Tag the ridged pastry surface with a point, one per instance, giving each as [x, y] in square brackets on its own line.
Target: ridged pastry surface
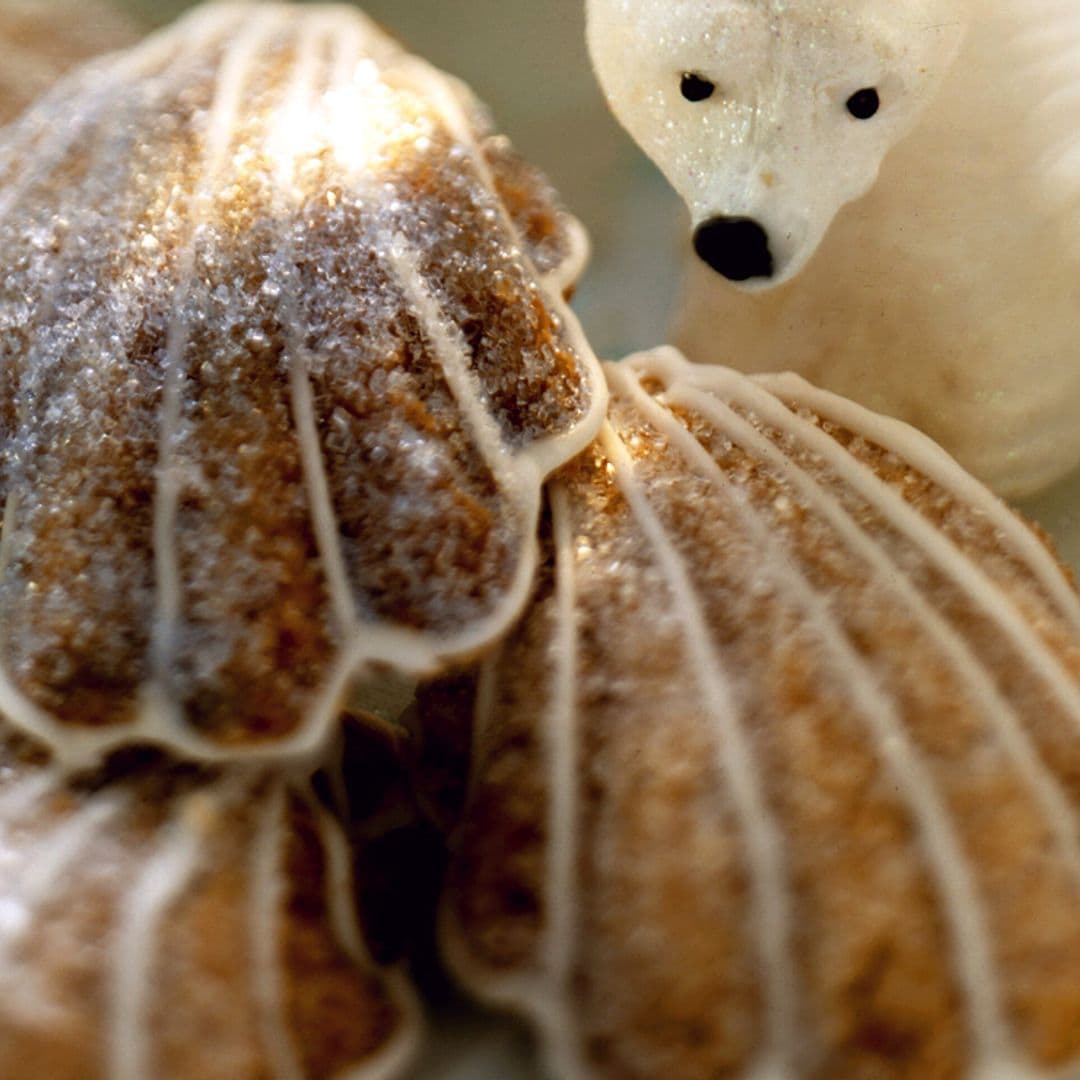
[159, 922]
[780, 776]
[285, 361]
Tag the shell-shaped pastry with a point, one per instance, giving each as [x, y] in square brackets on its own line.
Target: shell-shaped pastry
[285, 362]
[41, 39]
[780, 777]
[161, 922]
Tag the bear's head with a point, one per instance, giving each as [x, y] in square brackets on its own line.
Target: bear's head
[767, 116]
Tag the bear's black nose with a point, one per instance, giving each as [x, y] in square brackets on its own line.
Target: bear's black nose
[736, 247]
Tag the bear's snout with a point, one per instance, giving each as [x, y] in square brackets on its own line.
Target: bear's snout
[736, 247]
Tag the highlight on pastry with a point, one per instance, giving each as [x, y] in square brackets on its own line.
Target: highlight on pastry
[779, 777]
[754, 719]
[285, 363]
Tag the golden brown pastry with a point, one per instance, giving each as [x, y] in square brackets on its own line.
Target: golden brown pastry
[780, 776]
[41, 39]
[283, 364]
[164, 921]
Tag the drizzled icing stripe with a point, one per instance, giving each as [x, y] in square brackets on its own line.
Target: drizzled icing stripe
[101, 80]
[392, 1060]
[76, 748]
[162, 53]
[23, 794]
[347, 49]
[269, 893]
[925, 456]
[161, 883]
[560, 736]
[942, 847]
[936, 546]
[53, 855]
[240, 30]
[541, 991]
[298, 103]
[764, 844]
[235, 70]
[1041, 781]
[11, 509]
[453, 115]
[454, 358]
[548, 453]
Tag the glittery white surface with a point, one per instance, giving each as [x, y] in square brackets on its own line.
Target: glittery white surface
[527, 59]
[774, 141]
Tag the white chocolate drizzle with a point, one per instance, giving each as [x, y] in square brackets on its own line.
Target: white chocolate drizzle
[914, 780]
[925, 455]
[938, 547]
[268, 892]
[822, 545]
[1060, 816]
[160, 884]
[147, 877]
[764, 845]
[321, 88]
[228, 97]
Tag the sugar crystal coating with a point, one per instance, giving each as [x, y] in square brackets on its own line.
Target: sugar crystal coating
[780, 774]
[169, 921]
[281, 381]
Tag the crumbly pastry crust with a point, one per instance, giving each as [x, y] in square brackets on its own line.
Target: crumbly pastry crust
[780, 775]
[285, 362]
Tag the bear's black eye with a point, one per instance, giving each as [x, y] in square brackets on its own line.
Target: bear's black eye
[695, 88]
[864, 103]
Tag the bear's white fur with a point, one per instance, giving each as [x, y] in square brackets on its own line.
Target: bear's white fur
[928, 258]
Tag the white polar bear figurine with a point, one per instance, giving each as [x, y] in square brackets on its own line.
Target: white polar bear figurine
[885, 197]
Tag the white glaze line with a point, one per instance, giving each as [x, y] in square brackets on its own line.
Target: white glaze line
[23, 794]
[29, 718]
[553, 451]
[294, 112]
[924, 455]
[269, 897]
[348, 47]
[1061, 818]
[770, 895]
[938, 548]
[37, 360]
[299, 103]
[340, 901]
[51, 857]
[171, 47]
[391, 1060]
[236, 66]
[483, 710]
[139, 922]
[559, 735]
[950, 867]
[454, 358]
[102, 80]
[451, 111]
